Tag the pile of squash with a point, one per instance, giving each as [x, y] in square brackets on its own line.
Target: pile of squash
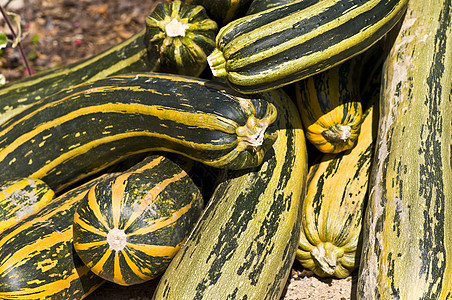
[228, 139]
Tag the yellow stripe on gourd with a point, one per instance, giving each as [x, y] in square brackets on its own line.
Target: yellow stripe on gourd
[88, 146]
[96, 268]
[154, 251]
[151, 196]
[120, 65]
[117, 274]
[88, 227]
[94, 206]
[162, 222]
[88, 246]
[117, 198]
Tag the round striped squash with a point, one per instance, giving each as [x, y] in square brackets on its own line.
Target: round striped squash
[181, 36]
[127, 229]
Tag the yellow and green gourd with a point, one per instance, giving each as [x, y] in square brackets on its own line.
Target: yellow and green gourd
[127, 229]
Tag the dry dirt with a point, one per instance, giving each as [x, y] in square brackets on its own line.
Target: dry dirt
[62, 32]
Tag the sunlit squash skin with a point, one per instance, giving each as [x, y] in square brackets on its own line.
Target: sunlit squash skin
[407, 231]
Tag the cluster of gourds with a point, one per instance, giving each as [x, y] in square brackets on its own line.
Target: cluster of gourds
[137, 163]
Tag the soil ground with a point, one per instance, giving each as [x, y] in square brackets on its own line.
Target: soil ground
[64, 31]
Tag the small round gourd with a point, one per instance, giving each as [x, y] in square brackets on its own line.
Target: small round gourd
[128, 229]
[181, 35]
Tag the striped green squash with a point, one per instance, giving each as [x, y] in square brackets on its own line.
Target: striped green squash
[20, 198]
[333, 208]
[37, 260]
[330, 106]
[127, 229]
[257, 6]
[129, 56]
[407, 238]
[244, 244]
[80, 131]
[181, 36]
[223, 11]
[290, 42]
[152, 49]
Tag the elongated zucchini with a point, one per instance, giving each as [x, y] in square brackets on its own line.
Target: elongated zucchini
[80, 131]
[181, 36]
[407, 238]
[20, 198]
[127, 229]
[330, 106]
[334, 205]
[37, 260]
[290, 42]
[223, 11]
[244, 245]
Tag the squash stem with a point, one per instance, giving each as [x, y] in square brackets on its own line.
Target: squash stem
[337, 134]
[326, 256]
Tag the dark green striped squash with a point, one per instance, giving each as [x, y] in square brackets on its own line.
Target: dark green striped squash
[128, 56]
[127, 229]
[257, 6]
[20, 198]
[82, 130]
[244, 245]
[151, 49]
[334, 205]
[407, 231]
[290, 42]
[37, 260]
[330, 106]
[223, 11]
[181, 36]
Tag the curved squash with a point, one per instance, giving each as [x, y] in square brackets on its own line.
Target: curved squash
[127, 229]
[149, 50]
[181, 36]
[80, 131]
[21, 198]
[287, 43]
[330, 107]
